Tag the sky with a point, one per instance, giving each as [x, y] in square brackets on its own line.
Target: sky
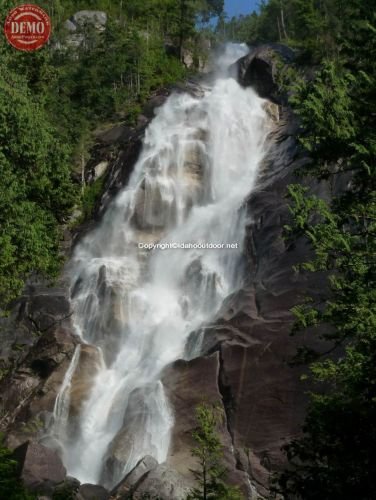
[236, 7]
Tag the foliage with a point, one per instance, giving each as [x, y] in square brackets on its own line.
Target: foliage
[90, 197]
[11, 487]
[209, 452]
[34, 195]
[335, 457]
[312, 26]
[65, 491]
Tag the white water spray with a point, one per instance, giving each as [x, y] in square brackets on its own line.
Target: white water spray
[138, 307]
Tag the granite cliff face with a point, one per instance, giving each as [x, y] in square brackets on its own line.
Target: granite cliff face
[245, 353]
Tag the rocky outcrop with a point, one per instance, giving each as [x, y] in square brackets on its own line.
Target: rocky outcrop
[96, 18]
[128, 486]
[89, 363]
[260, 68]
[40, 309]
[188, 384]
[163, 483]
[92, 492]
[28, 392]
[77, 26]
[41, 469]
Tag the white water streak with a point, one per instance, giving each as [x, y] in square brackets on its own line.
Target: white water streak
[62, 402]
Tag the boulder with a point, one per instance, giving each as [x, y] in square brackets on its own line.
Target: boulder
[128, 484]
[126, 446]
[41, 469]
[117, 456]
[96, 18]
[163, 483]
[92, 492]
[67, 489]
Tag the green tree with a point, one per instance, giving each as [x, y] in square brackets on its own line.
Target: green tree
[335, 457]
[11, 487]
[36, 191]
[209, 451]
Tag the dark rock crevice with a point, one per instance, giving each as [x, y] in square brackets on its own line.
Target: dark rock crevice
[229, 407]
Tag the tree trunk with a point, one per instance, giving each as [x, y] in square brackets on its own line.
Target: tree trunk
[82, 172]
[183, 10]
[279, 29]
[283, 22]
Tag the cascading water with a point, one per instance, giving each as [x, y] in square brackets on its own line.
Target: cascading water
[138, 305]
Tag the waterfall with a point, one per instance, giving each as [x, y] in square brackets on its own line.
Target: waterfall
[167, 253]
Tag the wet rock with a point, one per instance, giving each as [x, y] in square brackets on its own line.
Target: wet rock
[123, 450]
[28, 393]
[272, 111]
[155, 206]
[41, 469]
[151, 107]
[89, 364]
[42, 308]
[113, 135]
[92, 492]
[67, 489]
[118, 454]
[145, 465]
[128, 484]
[163, 483]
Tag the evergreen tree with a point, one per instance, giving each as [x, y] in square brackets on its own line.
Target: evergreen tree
[335, 458]
[209, 451]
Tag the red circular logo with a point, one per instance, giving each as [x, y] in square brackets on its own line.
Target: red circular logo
[27, 27]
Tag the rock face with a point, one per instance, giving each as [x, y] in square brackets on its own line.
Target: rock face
[96, 18]
[163, 483]
[28, 393]
[188, 384]
[259, 69]
[41, 469]
[89, 363]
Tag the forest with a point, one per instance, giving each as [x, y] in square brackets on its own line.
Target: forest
[51, 100]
